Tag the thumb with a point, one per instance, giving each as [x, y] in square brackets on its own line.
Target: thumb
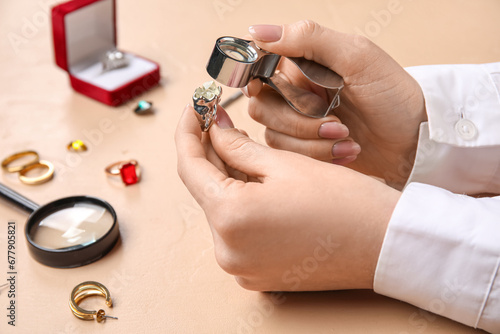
[240, 152]
[312, 41]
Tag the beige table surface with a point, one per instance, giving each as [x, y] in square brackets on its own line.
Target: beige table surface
[163, 276]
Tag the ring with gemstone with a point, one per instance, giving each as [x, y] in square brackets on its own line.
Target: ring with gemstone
[77, 146]
[205, 101]
[114, 59]
[37, 179]
[144, 107]
[129, 171]
[17, 168]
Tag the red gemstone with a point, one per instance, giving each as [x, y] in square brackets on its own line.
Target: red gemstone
[129, 174]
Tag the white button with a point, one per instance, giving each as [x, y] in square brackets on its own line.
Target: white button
[466, 129]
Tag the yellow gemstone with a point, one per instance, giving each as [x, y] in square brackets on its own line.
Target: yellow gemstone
[79, 145]
[209, 90]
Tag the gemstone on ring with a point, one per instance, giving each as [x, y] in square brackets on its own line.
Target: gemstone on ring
[143, 107]
[129, 171]
[77, 145]
[129, 174]
[114, 59]
[205, 101]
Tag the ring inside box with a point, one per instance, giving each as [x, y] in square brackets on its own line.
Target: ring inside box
[89, 33]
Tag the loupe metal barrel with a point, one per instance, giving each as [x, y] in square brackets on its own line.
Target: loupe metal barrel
[72, 231]
[235, 62]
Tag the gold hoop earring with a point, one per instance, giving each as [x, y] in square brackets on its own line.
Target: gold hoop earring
[84, 290]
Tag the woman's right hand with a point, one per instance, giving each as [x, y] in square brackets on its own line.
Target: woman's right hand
[381, 104]
[282, 221]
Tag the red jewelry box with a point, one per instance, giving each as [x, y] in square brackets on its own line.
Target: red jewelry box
[83, 31]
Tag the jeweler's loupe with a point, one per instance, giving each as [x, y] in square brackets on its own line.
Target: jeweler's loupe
[235, 62]
[69, 232]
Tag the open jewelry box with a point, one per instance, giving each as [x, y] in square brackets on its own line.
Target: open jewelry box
[84, 31]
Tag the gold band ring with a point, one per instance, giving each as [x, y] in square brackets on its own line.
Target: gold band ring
[14, 169]
[84, 290]
[38, 179]
[129, 171]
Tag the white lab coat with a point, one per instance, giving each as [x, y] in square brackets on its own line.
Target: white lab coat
[441, 251]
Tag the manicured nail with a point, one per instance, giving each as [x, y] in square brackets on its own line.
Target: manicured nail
[244, 90]
[223, 120]
[333, 130]
[344, 161]
[266, 32]
[345, 148]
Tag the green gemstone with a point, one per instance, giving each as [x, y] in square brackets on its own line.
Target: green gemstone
[143, 107]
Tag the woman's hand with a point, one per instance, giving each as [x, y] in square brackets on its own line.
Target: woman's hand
[280, 220]
[381, 104]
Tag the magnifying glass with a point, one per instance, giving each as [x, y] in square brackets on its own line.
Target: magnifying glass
[68, 232]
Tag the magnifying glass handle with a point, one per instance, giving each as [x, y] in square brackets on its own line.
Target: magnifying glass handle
[18, 199]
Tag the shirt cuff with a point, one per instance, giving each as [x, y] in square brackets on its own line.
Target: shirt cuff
[462, 102]
[458, 146]
[442, 253]
[462, 170]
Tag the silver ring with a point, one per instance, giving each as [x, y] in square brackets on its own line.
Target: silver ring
[205, 101]
[114, 59]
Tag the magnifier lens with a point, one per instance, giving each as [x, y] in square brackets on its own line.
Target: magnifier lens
[79, 225]
[238, 50]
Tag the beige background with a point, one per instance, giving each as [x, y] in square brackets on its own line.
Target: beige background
[163, 276]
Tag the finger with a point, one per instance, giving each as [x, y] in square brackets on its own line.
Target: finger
[236, 174]
[344, 161]
[225, 121]
[253, 88]
[241, 153]
[320, 149]
[270, 109]
[243, 132]
[197, 173]
[312, 41]
[212, 157]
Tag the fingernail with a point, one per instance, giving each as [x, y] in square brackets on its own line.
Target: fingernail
[344, 161]
[266, 32]
[345, 148]
[333, 130]
[223, 121]
[245, 91]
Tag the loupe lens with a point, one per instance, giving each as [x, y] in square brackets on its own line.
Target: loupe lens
[238, 50]
[79, 225]
[72, 231]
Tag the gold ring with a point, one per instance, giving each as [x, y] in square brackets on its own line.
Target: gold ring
[15, 156]
[84, 290]
[77, 146]
[38, 179]
[129, 171]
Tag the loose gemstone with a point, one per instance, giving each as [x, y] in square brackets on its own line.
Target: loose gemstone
[129, 174]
